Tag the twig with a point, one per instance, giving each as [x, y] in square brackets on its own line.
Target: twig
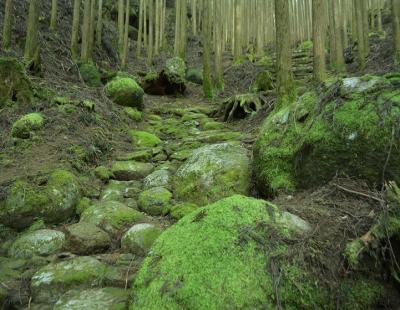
[358, 193]
[127, 273]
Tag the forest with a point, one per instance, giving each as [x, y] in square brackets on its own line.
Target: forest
[199, 154]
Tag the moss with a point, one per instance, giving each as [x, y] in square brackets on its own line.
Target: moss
[90, 74]
[140, 238]
[23, 127]
[218, 258]
[15, 85]
[306, 45]
[151, 76]
[195, 76]
[360, 294]
[134, 114]
[155, 201]
[143, 138]
[125, 91]
[59, 100]
[103, 173]
[263, 82]
[180, 210]
[175, 69]
[353, 252]
[82, 205]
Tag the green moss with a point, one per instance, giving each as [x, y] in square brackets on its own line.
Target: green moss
[183, 209]
[103, 173]
[195, 76]
[353, 252]
[263, 82]
[140, 238]
[143, 138]
[134, 114]
[306, 45]
[82, 205]
[175, 69]
[155, 201]
[151, 76]
[90, 74]
[362, 294]
[218, 258]
[23, 127]
[125, 91]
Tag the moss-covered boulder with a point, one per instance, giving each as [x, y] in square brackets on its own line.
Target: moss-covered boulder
[90, 74]
[125, 91]
[180, 210]
[111, 216]
[139, 238]
[159, 178]
[41, 242]
[103, 173]
[51, 281]
[134, 114]
[131, 170]
[143, 138]
[170, 81]
[53, 202]
[28, 123]
[220, 258]
[86, 238]
[107, 298]
[119, 190]
[309, 142]
[15, 85]
[213, 172]
[195, 75]
[155, 201]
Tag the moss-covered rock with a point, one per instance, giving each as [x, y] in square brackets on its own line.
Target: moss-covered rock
[126, 92]
[180, 210]
[53, 202]
[220, 258]
[15, 85]
[41, 242]
[107, 298]
[195, 76]
[307, 143]
[131, 170]
[103, 173]
[175, 69]
[141, 155]
[144, 138]
[51, 281]
[139, 238]
[155, 201]
[159, 178]
[213, 172]
[86, 238]
[111, 216]
[28, 123]
[119, 190]
[134, 114]
[90, 75]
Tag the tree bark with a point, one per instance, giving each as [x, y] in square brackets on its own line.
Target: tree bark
[31, 44]
[120, 27]
[126, 35]
[207, 86]
[360, 34]
[319, 32]
[75, 29]
[86, 31]
[53, 19]
[99, 27]
[7, 27]
[396, 29]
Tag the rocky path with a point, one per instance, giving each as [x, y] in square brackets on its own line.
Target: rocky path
[181, 159]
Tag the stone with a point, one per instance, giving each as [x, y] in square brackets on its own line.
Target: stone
[125, 91]
[131, 170]
[86, 238]
[155, 201]
[144, 139]
[107, 298]
[51, 281]
[41, 242]
[213, 172]
[119, 190]
[28, 123]
[141, 155]
[111, 216]
[180, 210]
[53, 202]
[159, 178]
[139, 238]
[103, 173]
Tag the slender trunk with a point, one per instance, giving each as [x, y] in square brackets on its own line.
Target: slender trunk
[207, 86]
[219, 74]
[7, 27]
[194, 18]
[364, 12]
[99, 27]
[92, 27]
[86, 31]
[177, 27]
[53, 19]
[31, 44]
[285, 87]
[150, 45]
[339, 57]
[75, 30]
[140, 32]
[126, 35]
[120, 26]
[360, 34]
[396, 29]
[319, 29]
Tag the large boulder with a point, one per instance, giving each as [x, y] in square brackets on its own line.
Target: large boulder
[218, 258]
[170, 81]
[139, 238]
[131, 170]
[107, 298]
[53, 202]
[41, 242]
[111, 216]
[213, 172]
[125, 91]
[155, 201]
[25, 125]
[159, 178]
[354, 132]
[51, 281]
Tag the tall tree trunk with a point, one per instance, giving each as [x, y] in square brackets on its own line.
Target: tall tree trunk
[319, 32]
[53, 19]
[206, 28]
[7, 27]
[360, 34]
[178, 25]
[219, 74]
[99, 27]
[338, 58]
[364, 12]
[92, 27]
[31, 44]
[86, 32]
[396, 29]
[150, 46]
[140, 31]
[75, 30]
[285, 87]
[126, 35]
[120, 27]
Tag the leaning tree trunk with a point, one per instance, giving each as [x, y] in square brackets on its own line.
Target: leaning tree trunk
[7, 27]
[75, 30]
[31, 44]
[285, 87]
[319, 32]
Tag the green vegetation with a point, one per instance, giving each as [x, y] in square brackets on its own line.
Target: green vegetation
[23, 127]
[125, 91]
